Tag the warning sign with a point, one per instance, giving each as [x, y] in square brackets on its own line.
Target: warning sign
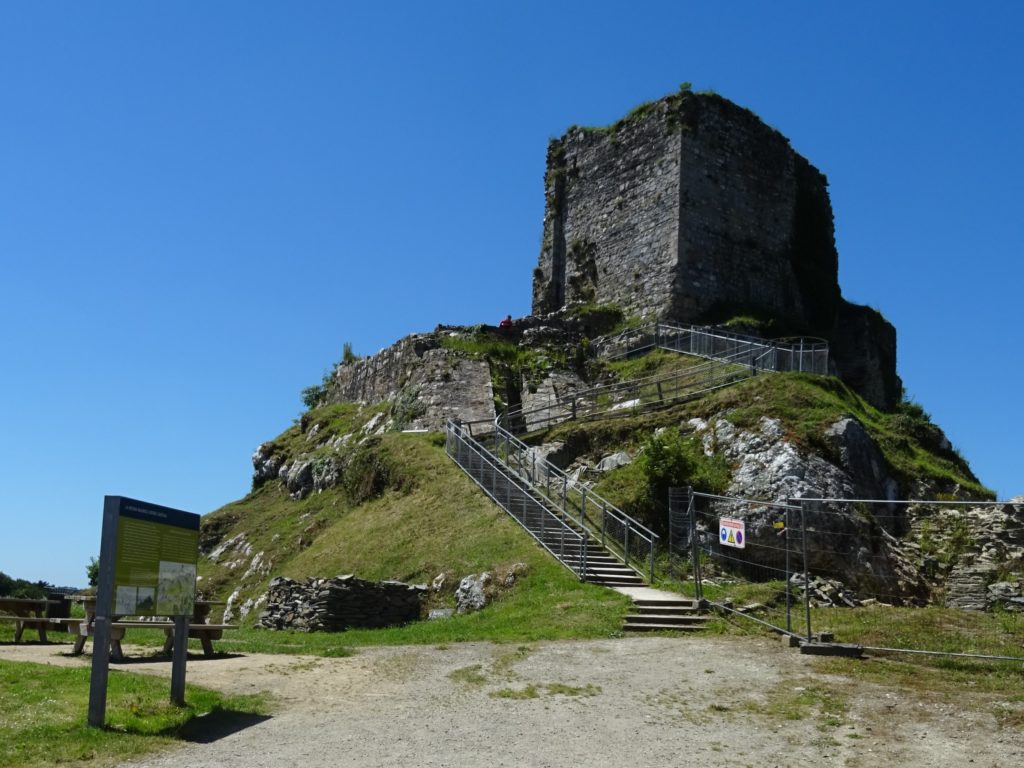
[731, 533]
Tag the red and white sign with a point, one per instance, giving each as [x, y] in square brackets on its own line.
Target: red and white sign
[731, 533]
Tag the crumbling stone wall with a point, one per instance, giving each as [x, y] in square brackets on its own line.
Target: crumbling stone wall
[332, 605]
[690, 205]
[427, 383]
[692, 209]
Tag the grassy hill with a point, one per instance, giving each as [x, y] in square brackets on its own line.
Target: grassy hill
[406, 512]
[398, 508]
[917, 453]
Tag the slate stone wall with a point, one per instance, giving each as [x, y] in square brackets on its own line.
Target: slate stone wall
[427, 383]
[692, 209]
[331, 605]
[691, 206]
[610, 230]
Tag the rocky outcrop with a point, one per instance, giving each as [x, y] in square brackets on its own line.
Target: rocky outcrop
[475, 591]
[862, 461]
[848, 542]
[332, 605]
[471, 595]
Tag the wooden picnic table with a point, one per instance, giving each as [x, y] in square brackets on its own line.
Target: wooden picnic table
[198, 627]
[26, 612]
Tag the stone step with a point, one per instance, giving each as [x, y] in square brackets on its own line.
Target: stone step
[682, 602]
[616, 582]
[668, 610]
[658, 627]
[646, 618]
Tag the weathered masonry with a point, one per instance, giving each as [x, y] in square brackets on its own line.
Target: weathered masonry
[692, 209]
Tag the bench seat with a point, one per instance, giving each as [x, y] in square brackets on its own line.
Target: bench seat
[205, 633]
[21, 623]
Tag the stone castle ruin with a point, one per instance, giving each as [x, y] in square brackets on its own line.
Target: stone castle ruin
[690, 210]
[693, 210]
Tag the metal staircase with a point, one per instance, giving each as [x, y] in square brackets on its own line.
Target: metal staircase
[568, 538]
[583, 531]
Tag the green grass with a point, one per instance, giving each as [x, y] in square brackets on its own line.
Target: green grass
[548, 604]
[806, 405]
[329, 421]
[43, 715]
[805, 699]
[432, 520]
[657, 362]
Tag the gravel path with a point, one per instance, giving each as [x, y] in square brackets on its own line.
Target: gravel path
[643, 701]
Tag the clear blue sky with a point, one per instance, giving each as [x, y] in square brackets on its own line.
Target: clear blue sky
[201, 202]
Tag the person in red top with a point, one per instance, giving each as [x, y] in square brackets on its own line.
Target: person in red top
[506, 323]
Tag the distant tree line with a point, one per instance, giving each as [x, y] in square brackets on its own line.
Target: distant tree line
[11, 587]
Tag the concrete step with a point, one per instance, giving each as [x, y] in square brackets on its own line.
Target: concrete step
[615, 582]
[646, 618]
[685, 603]
[675, 610]
[659, 627]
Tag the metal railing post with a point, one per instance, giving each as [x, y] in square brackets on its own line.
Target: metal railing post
[625, 544]
[789, 576]
[698, 587]
[583, 556]
[807, 576]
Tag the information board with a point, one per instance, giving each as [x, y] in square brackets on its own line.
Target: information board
[148, 557]
[155, 560]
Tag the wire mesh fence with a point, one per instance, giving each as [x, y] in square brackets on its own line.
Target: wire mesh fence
[860, 571]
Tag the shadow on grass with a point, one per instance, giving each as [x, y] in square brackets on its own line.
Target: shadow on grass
[217, 724]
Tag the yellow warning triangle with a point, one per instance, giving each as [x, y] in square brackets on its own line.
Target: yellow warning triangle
[732, 539]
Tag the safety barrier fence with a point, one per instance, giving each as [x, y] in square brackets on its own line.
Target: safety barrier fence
[806, 354]
[820, 568]
[516, 497]
[624, 397]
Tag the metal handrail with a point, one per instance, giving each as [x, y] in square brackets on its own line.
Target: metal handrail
[702, 337]
[549, 524]
[666, 388]
[571, 498]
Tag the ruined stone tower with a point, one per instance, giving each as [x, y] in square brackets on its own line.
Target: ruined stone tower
[692, 209]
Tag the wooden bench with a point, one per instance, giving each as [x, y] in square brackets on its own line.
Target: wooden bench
[26, 613]
[21, 623]
[205, 633]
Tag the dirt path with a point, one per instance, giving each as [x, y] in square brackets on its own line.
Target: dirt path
[643, 701]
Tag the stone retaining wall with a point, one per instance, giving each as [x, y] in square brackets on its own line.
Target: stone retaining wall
[332, 605]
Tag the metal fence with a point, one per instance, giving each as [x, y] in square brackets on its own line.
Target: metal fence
[806, 354]
[624, 397]
[515, 496]
[845, 569]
